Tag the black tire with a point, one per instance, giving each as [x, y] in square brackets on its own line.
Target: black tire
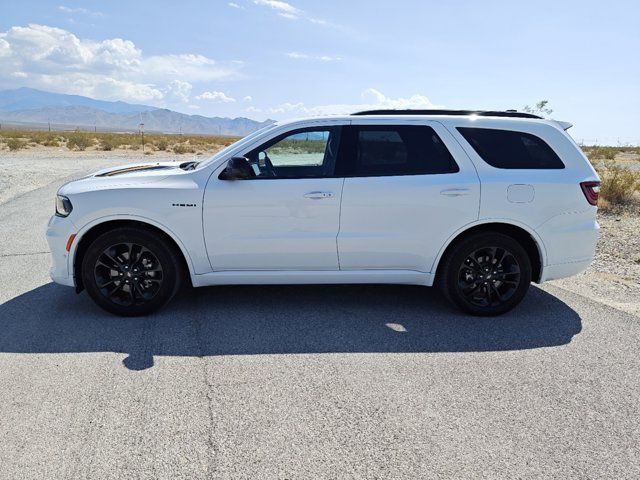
[476, 283]
[131, 272]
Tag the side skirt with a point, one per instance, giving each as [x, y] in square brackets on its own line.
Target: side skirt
[280, 277]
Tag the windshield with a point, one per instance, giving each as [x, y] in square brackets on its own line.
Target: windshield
[248, 139]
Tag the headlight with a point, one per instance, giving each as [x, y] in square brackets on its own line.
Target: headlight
[63, 206]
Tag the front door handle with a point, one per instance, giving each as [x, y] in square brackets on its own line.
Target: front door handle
[318, 195]
[455, 192]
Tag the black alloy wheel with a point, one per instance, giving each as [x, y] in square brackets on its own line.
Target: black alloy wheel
[485, 274]
[489, 276]
[128, 274]
[132, 271]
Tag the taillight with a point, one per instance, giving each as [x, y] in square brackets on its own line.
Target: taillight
[591, 191]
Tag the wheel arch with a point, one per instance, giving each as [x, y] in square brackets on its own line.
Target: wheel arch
[93, 230]
[531, 242]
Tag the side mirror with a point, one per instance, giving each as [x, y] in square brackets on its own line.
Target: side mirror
[238, 168]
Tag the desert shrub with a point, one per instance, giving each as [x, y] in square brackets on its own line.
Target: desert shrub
[619, 184]
[607, 153]
[181, 148]
[43, 138]
[108, 142]
[79, 141]
[16, 144]
[51, 141]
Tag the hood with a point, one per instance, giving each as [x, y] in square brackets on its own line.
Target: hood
[124, 176]
[138, 169]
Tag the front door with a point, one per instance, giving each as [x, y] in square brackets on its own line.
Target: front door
[284, 218]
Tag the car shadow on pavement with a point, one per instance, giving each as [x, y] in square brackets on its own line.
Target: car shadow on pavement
[249, 320]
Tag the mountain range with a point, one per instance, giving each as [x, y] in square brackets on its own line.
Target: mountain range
[30, 107]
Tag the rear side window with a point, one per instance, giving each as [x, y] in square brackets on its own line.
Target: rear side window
[386, 150]
[510, 149]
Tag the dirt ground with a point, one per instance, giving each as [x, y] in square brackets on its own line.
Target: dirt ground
[613, 278]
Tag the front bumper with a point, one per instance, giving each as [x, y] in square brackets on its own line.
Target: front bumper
[58, 232]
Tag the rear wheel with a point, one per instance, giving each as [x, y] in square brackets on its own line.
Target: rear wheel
[131, 272]
[486, 274]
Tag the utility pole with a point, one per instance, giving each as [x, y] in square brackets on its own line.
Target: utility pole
[141, 127]
[49, 123]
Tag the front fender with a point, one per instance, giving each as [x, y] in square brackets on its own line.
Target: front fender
[81, 232]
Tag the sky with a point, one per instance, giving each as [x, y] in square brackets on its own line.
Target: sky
[275, 59]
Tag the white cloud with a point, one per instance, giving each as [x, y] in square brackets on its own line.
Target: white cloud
[248, 98]
[178, 90]
[216, 97]
[5, 48]
[235, 5]
[114, 69]
[253, 110]
[283, 8]
[288, 11]
[322, 58]
[371, 99]
[80, 10]
[289, 107]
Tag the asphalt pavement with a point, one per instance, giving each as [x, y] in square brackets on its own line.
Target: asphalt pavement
[306, 381]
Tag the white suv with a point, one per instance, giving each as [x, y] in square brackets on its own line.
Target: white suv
[480, 203]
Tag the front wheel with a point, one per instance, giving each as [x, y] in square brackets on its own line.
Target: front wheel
[131, 272]
[486, 274]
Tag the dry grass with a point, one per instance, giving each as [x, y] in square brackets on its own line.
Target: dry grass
[80, 141]
[596, 153]
[16, 144]
[619, 187]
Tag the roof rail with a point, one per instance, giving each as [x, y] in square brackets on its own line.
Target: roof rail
[480, 113]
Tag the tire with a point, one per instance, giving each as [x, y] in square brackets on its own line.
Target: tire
[131, 272]
[486, 274]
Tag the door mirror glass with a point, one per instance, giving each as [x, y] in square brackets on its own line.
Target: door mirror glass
[238, 168]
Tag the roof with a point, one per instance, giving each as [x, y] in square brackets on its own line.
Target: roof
[479, 113]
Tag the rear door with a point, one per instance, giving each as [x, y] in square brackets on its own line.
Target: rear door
[408, 187]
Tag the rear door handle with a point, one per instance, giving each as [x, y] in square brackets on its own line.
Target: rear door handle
[455, 192]
[318, 195]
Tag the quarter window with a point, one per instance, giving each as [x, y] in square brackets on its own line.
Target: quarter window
[386, 150]
[511, 149]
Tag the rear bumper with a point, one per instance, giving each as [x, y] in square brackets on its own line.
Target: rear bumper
[563, 270]
[570, 241]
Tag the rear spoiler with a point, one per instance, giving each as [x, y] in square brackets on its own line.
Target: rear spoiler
[563, 125]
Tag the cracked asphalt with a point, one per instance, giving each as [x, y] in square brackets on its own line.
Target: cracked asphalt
[306, 382]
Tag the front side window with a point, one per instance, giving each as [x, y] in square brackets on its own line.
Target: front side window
[510, 149]
[303, 153]
[384, 150]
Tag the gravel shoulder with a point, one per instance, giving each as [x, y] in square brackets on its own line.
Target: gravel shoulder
[614, 276]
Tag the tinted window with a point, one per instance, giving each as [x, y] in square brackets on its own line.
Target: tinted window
[296, 154]
[381, 150]
[510, 149]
